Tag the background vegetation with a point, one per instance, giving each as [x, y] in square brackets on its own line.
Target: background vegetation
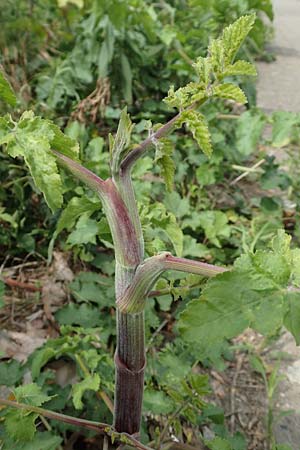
[79, 63]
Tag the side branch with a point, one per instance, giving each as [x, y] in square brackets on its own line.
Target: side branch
[98, 427]
[87, 176]
[190, 266]
[143, 147]
[148, 272]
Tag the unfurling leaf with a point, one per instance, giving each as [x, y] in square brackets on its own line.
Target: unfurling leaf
[6, 92]
[120, 143]
[230, 91]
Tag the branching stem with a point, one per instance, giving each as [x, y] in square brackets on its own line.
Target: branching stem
[148, 272]
[98, 427]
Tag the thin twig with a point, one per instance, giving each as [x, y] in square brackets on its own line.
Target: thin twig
[19, 284]
[248, 170]
[98, 427]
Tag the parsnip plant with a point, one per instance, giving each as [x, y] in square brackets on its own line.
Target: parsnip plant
[256, 292]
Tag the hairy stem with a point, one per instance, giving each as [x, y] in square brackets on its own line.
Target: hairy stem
[130, 366]
[147, 273]
[143, 147]
[88, 177]
[98, 427]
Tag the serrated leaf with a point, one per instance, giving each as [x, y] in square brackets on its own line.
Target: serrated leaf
[63, 143]
[185, 96]
[234, 35]
[6, 92]
[25, 430]
[215, 225]
[121, 141]
[217, 55]
[30, 394]
[203, 68]
[253, 294]
[163, 157]
[230, 91]
[240, 68]
[197, 125]
[91, 383]
[31, 138]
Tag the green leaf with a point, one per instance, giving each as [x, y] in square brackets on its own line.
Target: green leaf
[85, 232]
[127, 78]
[120, 143]
[41, 441]
[25, 430]
[283, 125]
[164, 149]
[249, 129]
[234, 35]
[63, 143]
[76, 207]
[218, 444]
[203, 67]
[91, 383]
[93, 287]
[186, 96]
[254, 293]
[83, 315]
[230, 91]
[197, 124]
[157, 402]
[217, 55]
[292, 318]
[6, 92]
[240, 68]
[10, 372]
[215, 225]
[107, 50]
[31, 138]
[30, 394]
[174, 232]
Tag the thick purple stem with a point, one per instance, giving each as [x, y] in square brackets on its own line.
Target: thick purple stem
[146, 274]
